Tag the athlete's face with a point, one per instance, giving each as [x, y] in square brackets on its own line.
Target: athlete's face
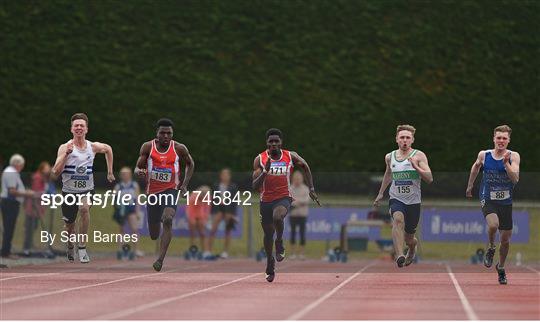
[164, 135]
[404, 139]
[501, 140]
[273, 143]
[79, 128]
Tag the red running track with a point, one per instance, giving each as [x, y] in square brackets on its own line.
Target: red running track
[236, 289]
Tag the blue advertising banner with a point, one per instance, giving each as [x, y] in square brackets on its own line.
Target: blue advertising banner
[325, 223]
[467, 226]
[181, 228]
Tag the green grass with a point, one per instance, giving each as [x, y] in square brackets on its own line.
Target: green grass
[101, 219]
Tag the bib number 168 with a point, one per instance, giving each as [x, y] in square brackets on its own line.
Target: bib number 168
[79, 183]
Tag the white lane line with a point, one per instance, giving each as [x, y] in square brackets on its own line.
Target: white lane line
[32, 296]
[38, 274]
[130, 311]
[62, 272]
[323, 298]
[464, 301]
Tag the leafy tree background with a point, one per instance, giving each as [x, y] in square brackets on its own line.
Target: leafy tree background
[335, 76]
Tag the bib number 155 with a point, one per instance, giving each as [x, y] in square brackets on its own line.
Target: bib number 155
[404, 189]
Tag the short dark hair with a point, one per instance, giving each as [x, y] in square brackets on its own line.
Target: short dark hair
[164, 122]
[79, 116]
[274, 131]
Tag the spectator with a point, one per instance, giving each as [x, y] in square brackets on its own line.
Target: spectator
[197, 212]
[299, 213]
[225, 210]
[128, 212]
[12, 195]
[33, 209]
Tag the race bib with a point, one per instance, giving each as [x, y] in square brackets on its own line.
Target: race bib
[403, 187]
[161, 174]
[80, 182]
[402, 190]
[278, 169]
[499, 195]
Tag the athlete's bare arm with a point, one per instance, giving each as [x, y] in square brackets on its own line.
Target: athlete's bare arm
[512, 169]
[259, 173]
[63, 151]
[387, 179]
[420, 163]
[142, 161]
[300, 162]
[475, 169]
[106, 149]
[184, 155]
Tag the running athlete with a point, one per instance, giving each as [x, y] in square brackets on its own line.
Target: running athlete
[159, 162]
[405, 168]
[500, 175]
[75, 162]
[271, 175]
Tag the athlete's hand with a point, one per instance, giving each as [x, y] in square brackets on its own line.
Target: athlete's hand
[314, 197]
[183, 190]
[110, 177]
[377, 200]
[468, 192]
[506, 158]
[69, 147]
[414, 162]
[140, 172]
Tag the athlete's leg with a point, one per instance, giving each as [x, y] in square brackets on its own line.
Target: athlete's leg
[278, 215]
[84, 212]
[70, 229]
[69, 215]
[216, 220]
[492, 221]
[155, 230]
[505, 246]
[154, 213]
[268, 230]
[410, 240]
[167, 220]
[398, 226]
[411, 218]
